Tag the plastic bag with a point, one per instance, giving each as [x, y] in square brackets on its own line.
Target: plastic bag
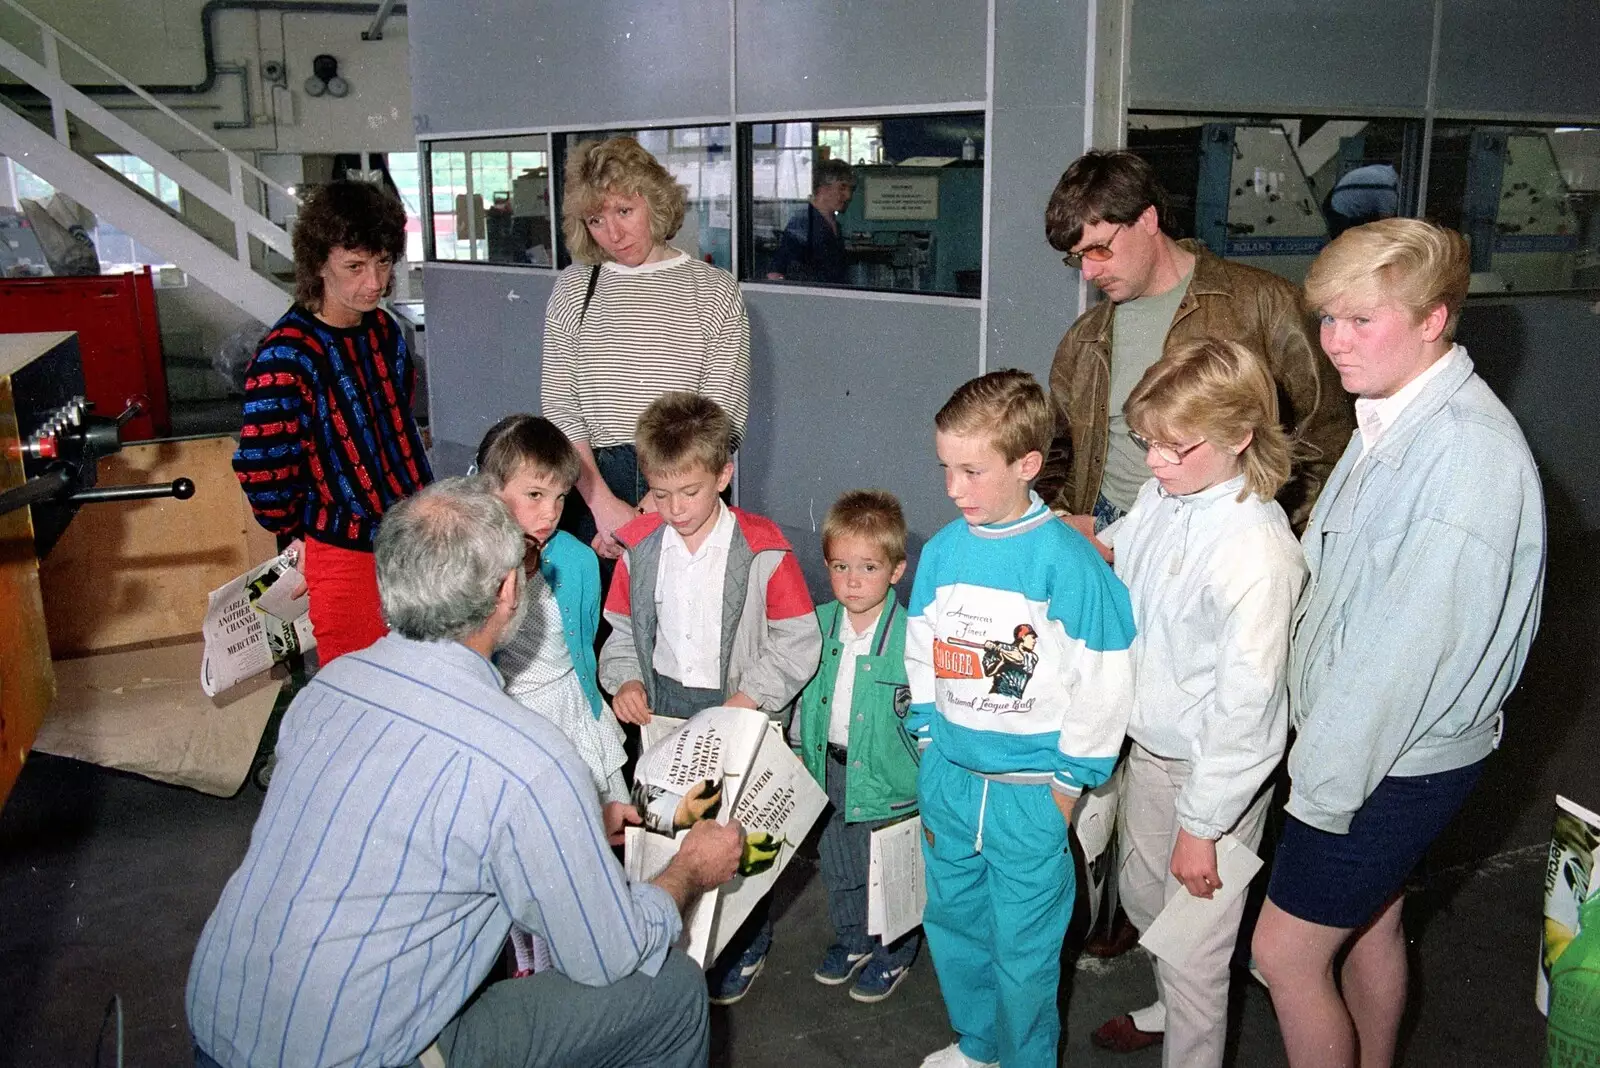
[1573, 1038]
[233, 356]
[63, 227]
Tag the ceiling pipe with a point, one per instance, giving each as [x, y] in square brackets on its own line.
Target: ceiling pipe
[207, 14]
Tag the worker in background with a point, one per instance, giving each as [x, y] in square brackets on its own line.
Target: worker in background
[329, 442]
[1365, 194]
[1106, 215]
[811, 248]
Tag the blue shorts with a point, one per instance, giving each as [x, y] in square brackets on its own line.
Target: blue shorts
[1342, 880]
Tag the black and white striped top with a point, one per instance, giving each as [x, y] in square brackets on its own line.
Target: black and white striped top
[674, 325]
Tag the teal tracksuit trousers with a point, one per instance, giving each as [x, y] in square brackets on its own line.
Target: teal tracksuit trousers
[1000, 895]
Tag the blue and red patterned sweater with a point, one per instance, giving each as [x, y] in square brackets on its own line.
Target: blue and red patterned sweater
[328, 442]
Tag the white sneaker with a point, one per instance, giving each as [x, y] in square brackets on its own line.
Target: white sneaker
[952, 1057]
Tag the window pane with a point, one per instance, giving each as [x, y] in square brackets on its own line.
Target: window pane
[405, 169]
[1527, 198]
[490, 201]
[892, 204]
[700, 158]
[1272, 191]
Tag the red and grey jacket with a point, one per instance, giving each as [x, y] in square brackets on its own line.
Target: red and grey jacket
[770, 643]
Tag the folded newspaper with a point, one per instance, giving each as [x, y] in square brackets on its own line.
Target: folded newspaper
[257, 620]
[720, 763]
[1571, 877]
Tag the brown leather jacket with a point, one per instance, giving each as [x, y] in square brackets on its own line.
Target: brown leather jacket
[1224, 299]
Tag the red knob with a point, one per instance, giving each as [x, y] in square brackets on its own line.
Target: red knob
[45, 447]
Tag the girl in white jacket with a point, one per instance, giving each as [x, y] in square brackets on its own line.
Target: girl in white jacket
[1214, 572]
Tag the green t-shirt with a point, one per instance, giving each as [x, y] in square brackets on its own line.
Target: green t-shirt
[1138, 331]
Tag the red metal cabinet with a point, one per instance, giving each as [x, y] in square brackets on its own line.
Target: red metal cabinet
[115, 318]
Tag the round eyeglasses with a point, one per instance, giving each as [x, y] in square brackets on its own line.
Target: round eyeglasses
[1099, 252]
[1170, 453]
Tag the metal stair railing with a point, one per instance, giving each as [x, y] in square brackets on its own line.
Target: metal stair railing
[229, 202]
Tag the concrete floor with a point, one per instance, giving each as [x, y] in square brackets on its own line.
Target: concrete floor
[106, 880]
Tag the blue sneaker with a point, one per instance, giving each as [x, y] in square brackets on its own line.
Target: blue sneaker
[839, 965]
[732, 985]
[878, 980]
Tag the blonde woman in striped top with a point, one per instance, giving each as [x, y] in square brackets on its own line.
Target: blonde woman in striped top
[632, 319]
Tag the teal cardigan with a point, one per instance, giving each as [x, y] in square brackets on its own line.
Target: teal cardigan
[881, 777]
[572, 571]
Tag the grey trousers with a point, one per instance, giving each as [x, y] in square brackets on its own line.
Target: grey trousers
[844, 852]
[549, 1021]
[1196, 994]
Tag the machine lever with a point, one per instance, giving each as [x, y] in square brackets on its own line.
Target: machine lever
[134, 405]
[55, 481]
[181, 488]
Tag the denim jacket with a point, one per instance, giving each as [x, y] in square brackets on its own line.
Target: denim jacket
[1427, 567]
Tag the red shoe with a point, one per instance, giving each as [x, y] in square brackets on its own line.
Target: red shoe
[1120, 1035]
[1122, 937]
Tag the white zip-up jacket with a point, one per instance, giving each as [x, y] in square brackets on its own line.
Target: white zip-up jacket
[1214, 582]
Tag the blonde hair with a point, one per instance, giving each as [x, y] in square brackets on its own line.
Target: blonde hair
[680, 431]
[871, 514]
[1007, 406]
[1223, 392]
[1418, 265]
[617, 166]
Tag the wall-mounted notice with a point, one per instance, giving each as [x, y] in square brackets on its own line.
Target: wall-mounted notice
[901, 198]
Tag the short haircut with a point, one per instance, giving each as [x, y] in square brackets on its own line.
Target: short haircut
[358, 216]
[683, 430]
[1113, 187]
[1418, 265]
[617, 166]
[1221, 391]
[519, 440]
[441, 557]
[828, 171]
[874, 515]
[1006, 406]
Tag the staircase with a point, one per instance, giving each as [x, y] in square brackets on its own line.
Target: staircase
[46, 150]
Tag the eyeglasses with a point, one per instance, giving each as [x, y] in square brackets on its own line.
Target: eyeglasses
[1098, 253]
[1170, 453]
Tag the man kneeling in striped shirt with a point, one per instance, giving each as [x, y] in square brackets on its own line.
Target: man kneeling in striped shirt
[416, 813]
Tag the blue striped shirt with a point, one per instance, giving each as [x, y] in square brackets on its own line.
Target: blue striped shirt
[416, 812]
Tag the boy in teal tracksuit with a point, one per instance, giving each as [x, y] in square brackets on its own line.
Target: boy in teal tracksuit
[851, 732]
[1021, 685]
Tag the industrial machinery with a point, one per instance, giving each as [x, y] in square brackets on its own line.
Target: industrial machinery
[50, 445]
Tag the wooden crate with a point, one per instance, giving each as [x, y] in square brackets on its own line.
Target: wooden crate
[139, 571]
[27, 683]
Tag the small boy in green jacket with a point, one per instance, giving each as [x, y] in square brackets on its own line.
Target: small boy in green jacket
[851, 731]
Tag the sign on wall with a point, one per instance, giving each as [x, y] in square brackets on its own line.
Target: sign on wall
[901, 198]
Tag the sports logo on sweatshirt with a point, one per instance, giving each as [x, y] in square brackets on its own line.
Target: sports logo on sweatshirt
[1009, 664]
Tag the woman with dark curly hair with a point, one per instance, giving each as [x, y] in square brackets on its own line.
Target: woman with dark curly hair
[328, 442]
[631, 320]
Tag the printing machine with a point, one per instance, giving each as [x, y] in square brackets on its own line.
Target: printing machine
[50, 445]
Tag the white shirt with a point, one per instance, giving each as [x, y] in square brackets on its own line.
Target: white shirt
[1213, 581]
[689, 605]
[844, 684]
[1377, 414]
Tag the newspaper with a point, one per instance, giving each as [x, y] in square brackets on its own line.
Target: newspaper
[1178, 928]
[719, 763]
[777, 807]
[257, 620]
[1571, 877]
[689, 770]
[897, 890]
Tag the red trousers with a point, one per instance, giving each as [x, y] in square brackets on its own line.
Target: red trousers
[345, 612]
